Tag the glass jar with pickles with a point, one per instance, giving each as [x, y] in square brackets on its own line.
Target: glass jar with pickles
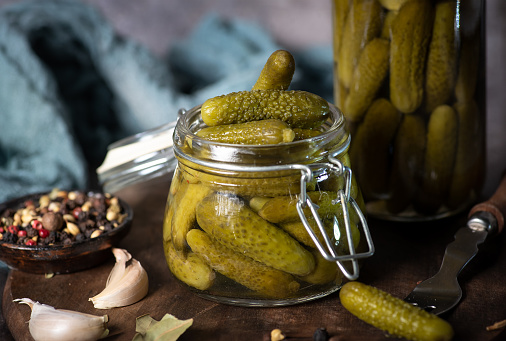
[409, 76]
[244, 217]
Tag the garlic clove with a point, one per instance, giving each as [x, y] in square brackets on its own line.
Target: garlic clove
[47, 323]
[127, 283]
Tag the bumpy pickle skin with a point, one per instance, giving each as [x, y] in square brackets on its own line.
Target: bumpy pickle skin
[441, 69]
[299, 109]
[391, 314]
[243, 230]
[262, 132]
[363, 23]
[184, 215]
[256, 276]
[468, 160]
[411, 32]
[371, 71]
[408, 158]
[190, 269]
[372, 147]
[277, 72]
[283, 209]
[440, 153]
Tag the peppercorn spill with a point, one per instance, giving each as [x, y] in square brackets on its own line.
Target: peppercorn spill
[60, 218]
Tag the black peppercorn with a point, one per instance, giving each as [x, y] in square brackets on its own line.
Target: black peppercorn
[321, 335]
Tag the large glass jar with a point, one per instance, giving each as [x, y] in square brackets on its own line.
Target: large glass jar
[243, 222]
[410, 80]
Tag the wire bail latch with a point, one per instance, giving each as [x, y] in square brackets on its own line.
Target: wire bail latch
[344, 197]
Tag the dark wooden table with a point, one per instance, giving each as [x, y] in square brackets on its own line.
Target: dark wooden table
[405, 254]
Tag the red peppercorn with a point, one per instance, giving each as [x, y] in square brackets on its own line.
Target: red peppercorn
[2, 230]
[21, 233]
[30, 242]
[13, 229]
[36, 224]
[43, 233]
[76, 211]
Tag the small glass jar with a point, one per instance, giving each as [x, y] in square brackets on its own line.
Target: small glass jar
[409, 76]
[243, 222]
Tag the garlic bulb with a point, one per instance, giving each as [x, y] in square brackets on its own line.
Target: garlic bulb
[127, 283]
[49, 324]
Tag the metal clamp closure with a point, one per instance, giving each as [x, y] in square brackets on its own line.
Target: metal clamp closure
[328, 250]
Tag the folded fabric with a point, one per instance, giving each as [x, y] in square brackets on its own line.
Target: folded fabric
[70, 85]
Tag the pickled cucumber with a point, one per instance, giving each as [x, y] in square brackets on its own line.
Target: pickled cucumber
[277, 72]
[230, 221]
[190, 268]
[242, 269]
[408, 52]
[442, 57]
[392, 5]
[408, 158]
[393, 315]
[371, 70]
[299, 109]
[262, 132]
[324, 272]
[363, 23]
[283, 209]
[177, 189]
[440, 153]
[340, 8]
[386, 31]
[373, 143]
[253, 185]
[184, 215]
[302, 134]
[338, 236]
[467, 161]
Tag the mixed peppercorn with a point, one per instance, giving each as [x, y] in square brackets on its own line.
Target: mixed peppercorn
[60, 218]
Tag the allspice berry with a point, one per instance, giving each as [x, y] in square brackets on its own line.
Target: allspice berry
[52, 221]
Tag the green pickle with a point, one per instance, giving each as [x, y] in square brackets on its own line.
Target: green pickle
[400, 68]
[235, 236]
[262, 132]
[277, 72]
[242, 269]
[300, 109]
[393, 315]
[245, 231]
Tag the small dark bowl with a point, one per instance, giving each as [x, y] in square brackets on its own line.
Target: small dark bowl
[60, 259]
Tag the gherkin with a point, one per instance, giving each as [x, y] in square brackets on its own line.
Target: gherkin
[392, 314]
[244, 270]
[232, 223]
[252, 133]
[299, 109]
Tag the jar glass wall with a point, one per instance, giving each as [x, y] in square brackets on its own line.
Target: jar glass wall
[409, 76]
[232, 231]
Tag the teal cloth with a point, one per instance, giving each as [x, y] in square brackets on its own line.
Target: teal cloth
[70, 85]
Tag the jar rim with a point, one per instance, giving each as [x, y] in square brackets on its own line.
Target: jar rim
[334, 140]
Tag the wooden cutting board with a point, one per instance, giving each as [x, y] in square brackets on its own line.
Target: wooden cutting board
[405, 254]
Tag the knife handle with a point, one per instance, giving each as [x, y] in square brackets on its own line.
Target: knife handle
[496, 205]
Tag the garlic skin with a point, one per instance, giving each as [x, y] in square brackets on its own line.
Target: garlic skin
[126, 284]
[49, 324]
